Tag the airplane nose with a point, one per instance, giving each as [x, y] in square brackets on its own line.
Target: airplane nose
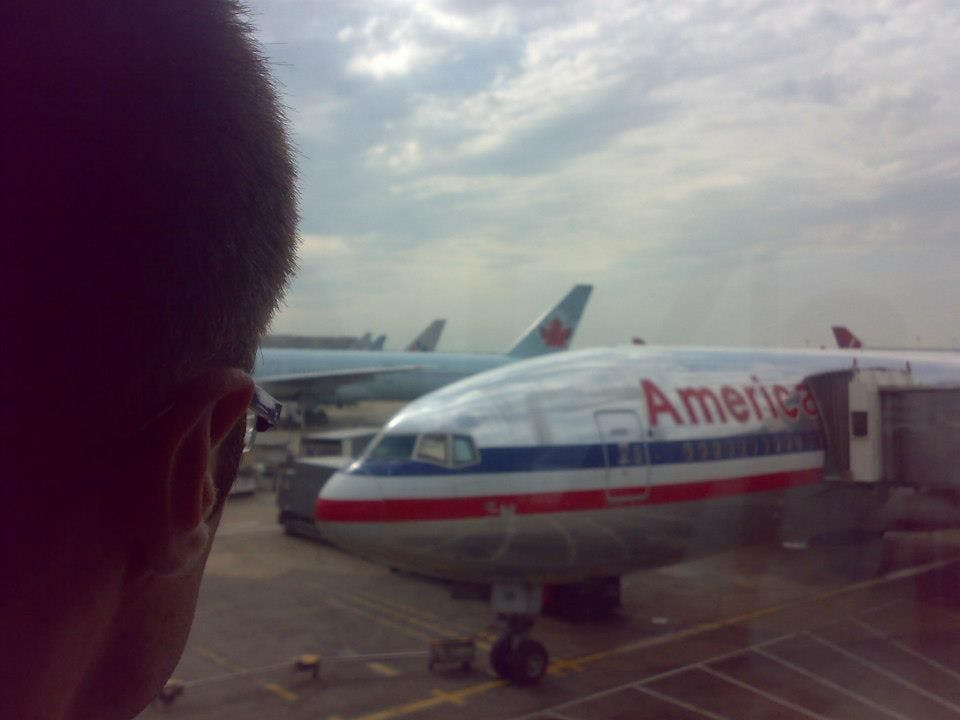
[349, 512]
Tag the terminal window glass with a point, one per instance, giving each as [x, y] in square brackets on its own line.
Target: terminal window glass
[394, 447]
[359, 445]
[464, 452]
[433, 448]
[319, 448]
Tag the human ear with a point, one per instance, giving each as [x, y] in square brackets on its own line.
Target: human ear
[175, 472]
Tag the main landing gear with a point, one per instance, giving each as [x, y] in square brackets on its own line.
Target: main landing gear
[514, 656]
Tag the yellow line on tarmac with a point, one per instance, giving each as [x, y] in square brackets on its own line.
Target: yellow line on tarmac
[383, 669]
[559, 666]
[280, 691]
[438, 697]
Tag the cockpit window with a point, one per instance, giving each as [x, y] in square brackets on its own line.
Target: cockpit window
[432, 448]
[464, 451]
[393, 447]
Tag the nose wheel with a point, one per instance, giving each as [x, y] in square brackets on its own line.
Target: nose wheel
[518, 659]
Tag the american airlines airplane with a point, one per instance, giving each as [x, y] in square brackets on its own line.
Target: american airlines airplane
[845, 338]
[582, 466]
[315, 377]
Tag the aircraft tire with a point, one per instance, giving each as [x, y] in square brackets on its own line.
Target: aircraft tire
[500, 658]
[530, 663]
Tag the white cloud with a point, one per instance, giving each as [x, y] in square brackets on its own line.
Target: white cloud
[562, 71]
[316, 247]
[401, 38]
[401, 59]
[401, 156]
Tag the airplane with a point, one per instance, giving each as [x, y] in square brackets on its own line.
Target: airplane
[575, 468]
[845, 338]
[428, 339]
[363, 342]
[339, 377]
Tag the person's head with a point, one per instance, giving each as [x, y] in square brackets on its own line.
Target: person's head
[147, 225]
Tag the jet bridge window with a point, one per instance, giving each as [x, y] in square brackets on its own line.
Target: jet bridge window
[464, 451]
[432, 448]
[393, 447]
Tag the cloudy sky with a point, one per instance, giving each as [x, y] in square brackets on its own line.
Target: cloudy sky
[741, 173]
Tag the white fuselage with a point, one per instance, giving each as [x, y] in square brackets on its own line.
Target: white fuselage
[594, 463]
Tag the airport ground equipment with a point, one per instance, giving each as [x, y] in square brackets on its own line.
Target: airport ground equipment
[348, 442]
[452, 652]
[300, 483]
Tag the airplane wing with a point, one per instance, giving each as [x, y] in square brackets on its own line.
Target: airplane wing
[324, 382]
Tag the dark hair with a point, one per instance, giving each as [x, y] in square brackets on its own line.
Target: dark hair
[147, 199]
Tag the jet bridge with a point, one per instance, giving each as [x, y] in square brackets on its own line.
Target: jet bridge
[883, 430]
[879, 426]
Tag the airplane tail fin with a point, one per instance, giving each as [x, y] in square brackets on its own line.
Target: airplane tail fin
[362, 342]
[428, 339]
[845, 338]
[554, 330]
[378, 343]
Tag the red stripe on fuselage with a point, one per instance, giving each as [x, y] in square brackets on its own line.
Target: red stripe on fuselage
[461, 508]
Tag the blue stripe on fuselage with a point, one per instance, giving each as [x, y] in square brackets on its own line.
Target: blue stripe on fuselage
[582, 457]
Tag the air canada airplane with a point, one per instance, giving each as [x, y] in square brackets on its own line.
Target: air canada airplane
[365, 342]
[582, 466]
[315, 377]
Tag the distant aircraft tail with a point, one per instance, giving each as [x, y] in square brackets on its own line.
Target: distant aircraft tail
[428, 339]
[554, 330]
[378, 343]
[362, 343]
[845, 338]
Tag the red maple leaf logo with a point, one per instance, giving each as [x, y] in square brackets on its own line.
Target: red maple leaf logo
[555, 334]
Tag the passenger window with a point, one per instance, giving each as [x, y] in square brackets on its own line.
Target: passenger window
[433, 448]
[464, 452]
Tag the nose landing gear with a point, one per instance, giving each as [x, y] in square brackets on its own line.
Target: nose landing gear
[514, 656]
[517, 658]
